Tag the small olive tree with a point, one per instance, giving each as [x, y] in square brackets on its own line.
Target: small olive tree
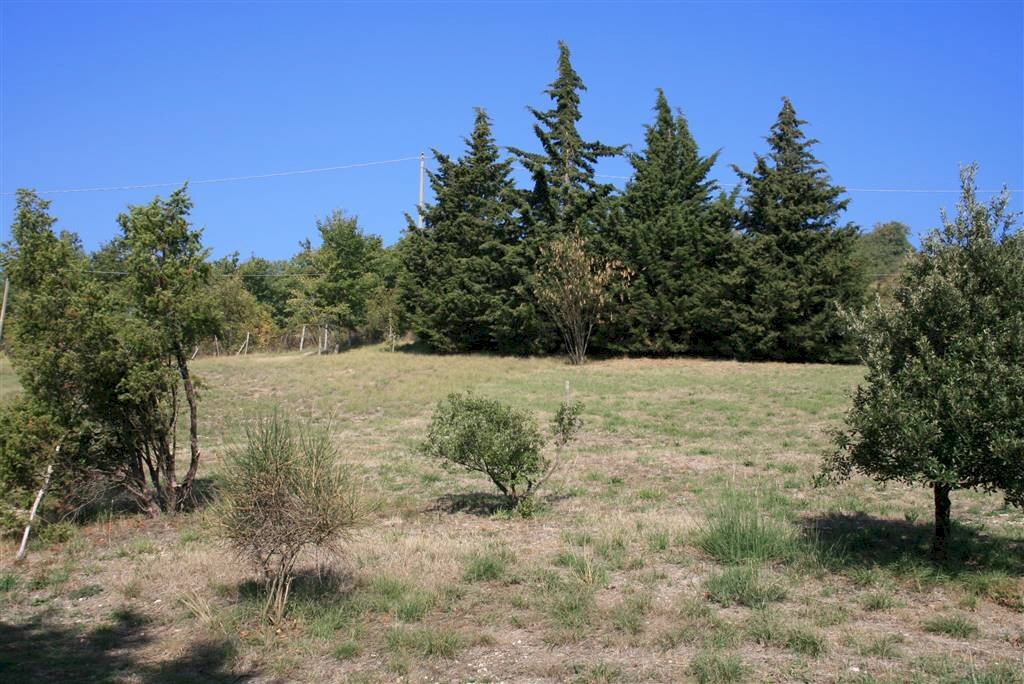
[285, 490]
[942, 403]
[576, 289]
[502, 442]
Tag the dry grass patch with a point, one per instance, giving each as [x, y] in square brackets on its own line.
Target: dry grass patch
[608, 582]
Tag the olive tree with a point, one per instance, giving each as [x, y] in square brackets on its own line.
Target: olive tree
[500, 441]
[942, 403]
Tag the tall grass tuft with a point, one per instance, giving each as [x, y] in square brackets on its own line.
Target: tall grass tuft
[743, 527]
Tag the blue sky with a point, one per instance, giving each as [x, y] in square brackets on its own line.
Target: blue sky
[124, 93]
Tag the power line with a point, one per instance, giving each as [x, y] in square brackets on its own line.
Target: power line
[341, 167]
[206, 181]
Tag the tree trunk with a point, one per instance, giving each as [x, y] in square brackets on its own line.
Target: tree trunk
[185, 489]
[943, 526]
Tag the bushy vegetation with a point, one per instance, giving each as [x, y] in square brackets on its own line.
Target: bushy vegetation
[27, 435]
[942, 404]
[284, 491]
[102, 345]
[500, 441]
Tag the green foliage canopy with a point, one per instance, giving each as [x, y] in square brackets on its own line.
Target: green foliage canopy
[942, 403]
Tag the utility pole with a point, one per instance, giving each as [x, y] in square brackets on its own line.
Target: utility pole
[423, 161]
[7, 285]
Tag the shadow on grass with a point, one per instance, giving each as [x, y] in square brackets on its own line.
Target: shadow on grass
[474, 503]
[40, 651]
[310, 584]
[417, 347]
[865, 541]
[488, 503]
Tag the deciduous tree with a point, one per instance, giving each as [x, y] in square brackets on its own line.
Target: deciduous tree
[942, 403]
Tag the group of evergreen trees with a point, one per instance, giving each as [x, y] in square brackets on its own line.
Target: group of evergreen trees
[763, 274]
[760, 272]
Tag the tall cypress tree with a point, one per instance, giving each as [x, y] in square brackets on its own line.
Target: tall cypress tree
[799, 268]
[666, 239]
[566, 194]
[463, 275]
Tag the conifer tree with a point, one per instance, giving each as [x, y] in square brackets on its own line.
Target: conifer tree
[464, 274]
[666, 238]
[566, 195]
[799, 268]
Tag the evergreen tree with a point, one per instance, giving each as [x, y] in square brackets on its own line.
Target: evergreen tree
[105, 358]
[566, 195]
[464, 272]
[666, 239]
[799, 268]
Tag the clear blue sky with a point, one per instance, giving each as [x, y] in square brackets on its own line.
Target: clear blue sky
[124, 93]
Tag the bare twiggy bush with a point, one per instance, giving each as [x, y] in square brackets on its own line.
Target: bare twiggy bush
[285, 490]
[577, 289]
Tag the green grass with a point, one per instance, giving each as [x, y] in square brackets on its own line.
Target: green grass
[878, 601]
[628, 615]
[951, 625]
[85, 591]
[769, 630]
[744, 526]
[743, 585]
[347, 649]
[884, 646]
[714, 667]
[584, 568]
[488, 565]
[137, 547]
[424, 642]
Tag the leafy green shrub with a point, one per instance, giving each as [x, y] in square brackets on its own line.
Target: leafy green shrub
[500, 441]
[283, 491]
[27, 440]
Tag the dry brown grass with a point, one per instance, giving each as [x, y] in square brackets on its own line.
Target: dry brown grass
[605, 583]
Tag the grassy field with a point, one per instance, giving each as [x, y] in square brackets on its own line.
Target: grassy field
[684, 541]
